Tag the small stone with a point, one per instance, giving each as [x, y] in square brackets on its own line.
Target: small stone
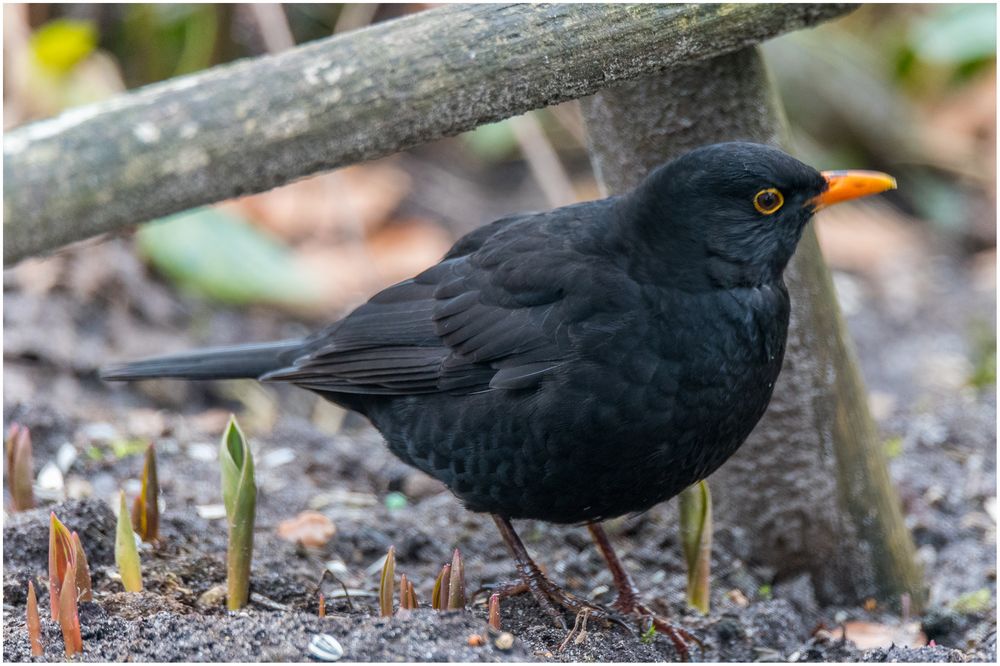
[202, 452]
[504, 641]
[211, 511]
[738, 598]
[50, 482]
[476, 640]
[325, 647]
[277, 458]
[213, 596]
[101, 432]
[66, 456]
[78, 487]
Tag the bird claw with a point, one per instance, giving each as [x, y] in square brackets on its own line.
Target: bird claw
[679, 636]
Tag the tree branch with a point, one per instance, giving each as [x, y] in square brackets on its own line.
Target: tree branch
[256, 124]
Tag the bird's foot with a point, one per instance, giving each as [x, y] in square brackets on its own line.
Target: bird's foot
[555, 601]
[628, 604]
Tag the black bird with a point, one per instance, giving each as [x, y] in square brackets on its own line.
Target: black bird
[577, 364]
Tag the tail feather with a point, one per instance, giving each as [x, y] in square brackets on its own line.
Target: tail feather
[240, 362]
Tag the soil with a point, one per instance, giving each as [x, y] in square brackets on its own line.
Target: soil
[100, 304]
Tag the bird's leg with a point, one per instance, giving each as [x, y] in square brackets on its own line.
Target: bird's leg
[549, 596]
[628, 596]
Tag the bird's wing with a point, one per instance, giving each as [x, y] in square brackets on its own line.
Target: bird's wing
[491, 315]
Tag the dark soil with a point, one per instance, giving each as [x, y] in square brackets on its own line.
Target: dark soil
[101, 305]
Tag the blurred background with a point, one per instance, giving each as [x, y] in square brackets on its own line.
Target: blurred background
[907, 89]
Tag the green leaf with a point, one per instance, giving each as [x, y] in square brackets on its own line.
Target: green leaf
[492, 143]
[239, 494]
[58, 46]
[217, 255]
[973, 602]
[696, 538]
[126, 555]
[386, 583]
[956, 34]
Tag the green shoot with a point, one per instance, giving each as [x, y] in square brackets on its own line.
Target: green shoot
[239, 494]
[146, 510]
[61, 555]
[126, 555]
[19, 468]
[386, 583]
[83, 585]
[34, 622]
[456, 584]
[494, 617]
[648, 636]
[436, 592]
[696, 538]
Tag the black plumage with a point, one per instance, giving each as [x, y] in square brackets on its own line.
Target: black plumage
[576, 364]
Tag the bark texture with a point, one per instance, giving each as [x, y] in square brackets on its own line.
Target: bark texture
[809, 490]
[259, 123]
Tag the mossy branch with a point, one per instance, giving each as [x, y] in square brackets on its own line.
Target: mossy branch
[262, 122]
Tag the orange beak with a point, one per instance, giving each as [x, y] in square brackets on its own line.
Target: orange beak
[845, 185]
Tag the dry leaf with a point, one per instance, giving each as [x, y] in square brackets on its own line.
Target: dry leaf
[406, 247]
[310, 528]
[868, 635]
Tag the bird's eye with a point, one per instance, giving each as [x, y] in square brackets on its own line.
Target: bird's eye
[768, 201]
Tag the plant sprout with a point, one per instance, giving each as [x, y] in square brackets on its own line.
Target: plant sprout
[69, 620]
[696, 539]
[407, 596]
[19, 468]
[61, 554]
[126, 555]
[494, 616]
[456, 584]
[83, 585]
[386, 583]
[146, 510]
[239, 494]
[439, 597]
[34, 622]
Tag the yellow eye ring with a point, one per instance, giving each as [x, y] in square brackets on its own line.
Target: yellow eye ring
[768, 201]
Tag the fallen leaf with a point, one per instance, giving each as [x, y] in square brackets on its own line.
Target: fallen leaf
[868, 635]
[407, 247]
[310, 528]
[350, 202]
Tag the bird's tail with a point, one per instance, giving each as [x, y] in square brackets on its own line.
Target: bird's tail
[240, 362]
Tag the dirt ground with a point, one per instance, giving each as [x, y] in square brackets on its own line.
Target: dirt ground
[917, 328]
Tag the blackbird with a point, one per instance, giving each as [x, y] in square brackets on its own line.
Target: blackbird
[576, 364]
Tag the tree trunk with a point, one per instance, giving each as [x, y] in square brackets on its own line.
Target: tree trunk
[258, 123]
[809, 491]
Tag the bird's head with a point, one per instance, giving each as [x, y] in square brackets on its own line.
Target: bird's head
[731, 214]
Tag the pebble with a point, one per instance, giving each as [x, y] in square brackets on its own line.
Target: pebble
[100, 432]
[504, 641]
[66, 456]
[211, 511]
[277, 457]
[213, 596]
[202, 452]
[325, 647]
[50, 482]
